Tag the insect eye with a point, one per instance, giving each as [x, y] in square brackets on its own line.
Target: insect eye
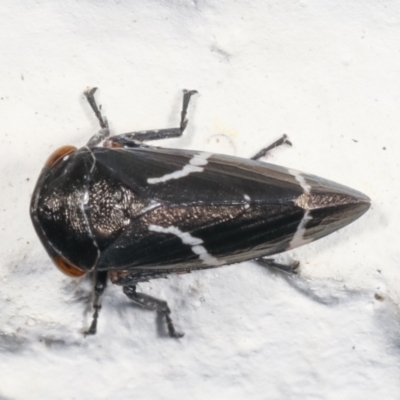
[59, 154]
[67, 268]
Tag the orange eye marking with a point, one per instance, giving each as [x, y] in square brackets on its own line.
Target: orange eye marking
[68, 268]
[59, 154]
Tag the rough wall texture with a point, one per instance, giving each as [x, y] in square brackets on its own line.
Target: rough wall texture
[325, 73]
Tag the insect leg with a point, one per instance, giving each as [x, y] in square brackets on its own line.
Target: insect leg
[99, 285]
[292, 268]
[104, 131]
[151, 303]
[187, 94]
[89, 93]
[133, 139]
[277, 143]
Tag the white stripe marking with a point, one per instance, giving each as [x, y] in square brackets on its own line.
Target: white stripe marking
[300, 178]
[298, 237]
[190, 240]
[193, 166]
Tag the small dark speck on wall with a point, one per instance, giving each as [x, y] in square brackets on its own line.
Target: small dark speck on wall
[379, 297]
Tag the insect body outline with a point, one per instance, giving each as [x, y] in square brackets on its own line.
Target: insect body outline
[129, 212]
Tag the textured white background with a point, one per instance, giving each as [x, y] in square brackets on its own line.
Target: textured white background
[327, 73]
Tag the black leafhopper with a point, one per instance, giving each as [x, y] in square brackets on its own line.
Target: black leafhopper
[128, 212]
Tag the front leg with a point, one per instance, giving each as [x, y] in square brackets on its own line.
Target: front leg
[151, 303]
[99, 285]
[134, 139]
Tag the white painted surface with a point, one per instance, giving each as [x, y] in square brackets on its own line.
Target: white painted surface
[327, 73]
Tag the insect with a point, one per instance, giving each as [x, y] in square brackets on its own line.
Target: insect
[128, 212]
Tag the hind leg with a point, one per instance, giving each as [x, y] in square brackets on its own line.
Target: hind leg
[279, 142]
[151, 303]
[292, 268]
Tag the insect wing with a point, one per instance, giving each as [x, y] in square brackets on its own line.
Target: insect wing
[198, 210]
